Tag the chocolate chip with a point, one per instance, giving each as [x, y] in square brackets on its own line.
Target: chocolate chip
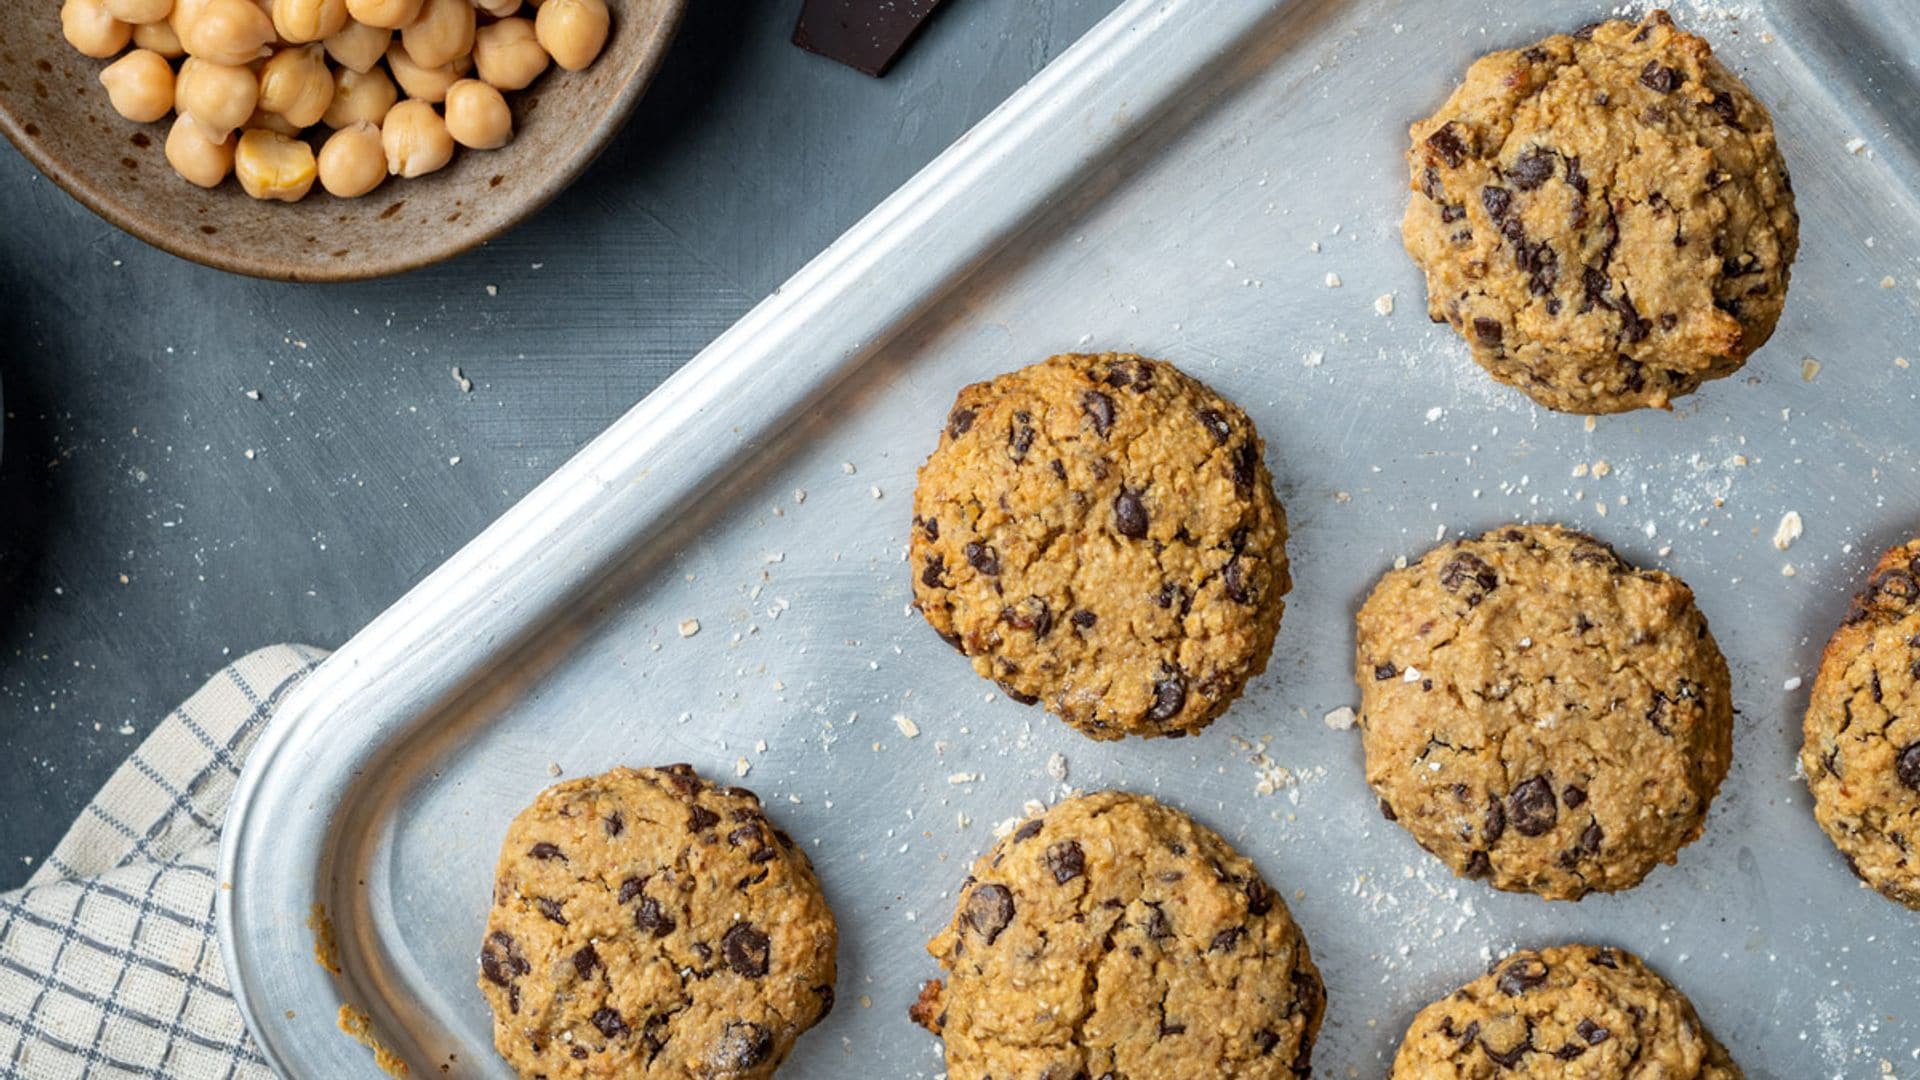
[1085, 619]
[1227, 940]
[1158, 928]
[1576, 179]
[1657, 713]
[1020, 439]
[1907, 766]
[1266, 1039]
[1468, 575]
[610, 1023]
[1449, 145]
[1569, 1051]
[1172, 1027]
[1574, 797]
[1723, 106]
[1660, 78]
[700, 819]
[1016, 694]
[1532, 807]
[1259, 898]
[1216, 424]
[585, 960]
[1235, 580]
[742, 1045]
[1135, 373]
[1591, 838]
[1605, 958]
[1169, 695]
[653, 919]
[1129, 515]
[1384, 671]
[1521, 974]
[1633, 328]
[1497, 200]
[1099, 409]
[747, 949]
[1066, 860]
[1494, 824]
[1386, 811]
[501, 960]
[1028, 829]
[1030, 614]
[989, 910]
[1532, 168]
[1246, 464]
[959, 422]
[614, 823]
[1489, 331]
[1592, 1032]
[546, 851]
[551, 909]
[1479, 865]
[1510, 1057]
[935, 569]
[983, 558]
[630, 888]
[1897, 588]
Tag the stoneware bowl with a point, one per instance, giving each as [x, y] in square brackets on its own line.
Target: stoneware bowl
[54, 109]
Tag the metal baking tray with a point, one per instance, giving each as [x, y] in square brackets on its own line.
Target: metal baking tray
[1188, 181]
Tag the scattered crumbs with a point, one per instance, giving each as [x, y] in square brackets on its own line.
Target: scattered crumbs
[454, 460]
[1314, 247]
[1314, 358]
[1341, 719]
[741, 766]
[1383, 304]
[799, 495]
[689, 627]
[1333, 280]
[326, 948]
[461, 380]
[355, 1022]
[1809, 367]
[493, 290]
[1580, 470]
[876, 492]
[248, 453]
[1888, 282]
[1591, 423]
[1399, 562]
[1436, 413]
[253, 395]
[553, 768]
[963, 778]
[847, 467]
[1791, 684]
[1602, 468]
[1855, 146]
[1057, 766]
[1788, 530]
[907, 727]
[1342, 497]
[1900, 362]
[1787, 570]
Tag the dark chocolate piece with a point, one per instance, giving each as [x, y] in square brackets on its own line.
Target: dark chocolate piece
[866, 35]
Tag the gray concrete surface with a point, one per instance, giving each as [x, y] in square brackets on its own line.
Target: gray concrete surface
[156, 519]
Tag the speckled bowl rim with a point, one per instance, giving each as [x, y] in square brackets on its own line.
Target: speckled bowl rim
[400, 259]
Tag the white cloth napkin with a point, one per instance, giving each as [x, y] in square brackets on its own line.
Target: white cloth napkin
[109, 965]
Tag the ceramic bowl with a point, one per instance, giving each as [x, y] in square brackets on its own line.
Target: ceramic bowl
[54, 109]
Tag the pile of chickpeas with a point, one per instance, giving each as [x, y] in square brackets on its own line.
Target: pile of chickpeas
[250, 79]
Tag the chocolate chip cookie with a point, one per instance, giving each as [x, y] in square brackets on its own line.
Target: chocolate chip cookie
[648, 924]
[1604, 216]
[1114, 936]
[1100, 533]
[1540, 714]
[1571, 1011]
[1862, 748]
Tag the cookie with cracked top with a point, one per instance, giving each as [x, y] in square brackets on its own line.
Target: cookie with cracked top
[1541, 714]
[1099, 534]
[1114, 936]
[1861, 751]
[1604, 216]
[646, 923]
[1570, 1011]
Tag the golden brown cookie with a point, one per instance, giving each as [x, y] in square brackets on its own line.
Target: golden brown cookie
[648, 924]
[1114, 936]
[1862, 748]
[1575, 1012]
[1604, 216]
[1099, 533]
[1539, 713]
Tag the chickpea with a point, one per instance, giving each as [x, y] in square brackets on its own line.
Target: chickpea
[196, 156]
[499, 9]
[231, 32]
[477, 116]
[265, 121]
[139, 12]
[90, 28]
[415, 139]
[443, 31]
[158, 37]
[392, 14]
[301, 21]
[572, 31]
[352, 161]
[358, 97]
[427, 84]
[139, 85]
[270, 165]
[219, 97]
[358, 47]
[297, 85]
[507, 54]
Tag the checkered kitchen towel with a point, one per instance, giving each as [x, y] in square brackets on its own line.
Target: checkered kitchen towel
[109, 966]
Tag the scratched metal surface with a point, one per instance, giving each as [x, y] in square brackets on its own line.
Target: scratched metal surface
[1189, 182]
[126, 371]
